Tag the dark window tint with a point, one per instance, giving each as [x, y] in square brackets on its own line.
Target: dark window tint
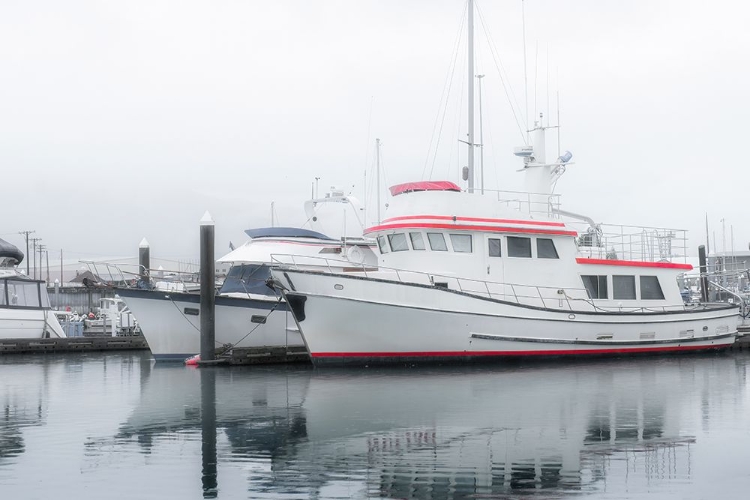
[519, 247]
[398, 242]
[596, 286]
[437, 242]
[623, 287]
[650, 288]
[495, 247]
[382, 244]
[248, 278]
[461, 243]
[417, 243]
[545, 249]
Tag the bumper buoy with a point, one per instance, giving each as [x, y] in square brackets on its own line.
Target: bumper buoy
[193, 360]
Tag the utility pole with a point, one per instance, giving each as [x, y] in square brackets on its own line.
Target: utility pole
[26, 234]
[46, 255]
[41, 263]
[33, 242]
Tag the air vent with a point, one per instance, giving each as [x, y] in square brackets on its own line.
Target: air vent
[648, 335]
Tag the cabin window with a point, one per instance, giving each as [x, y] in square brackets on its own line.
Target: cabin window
[461, 243]
[495, 247]
[417, 243]
[2, 294]
[519, 247]
[248, 279]
[545, 249]
[437, 242]
[596, 286]
[23, 294]
[650, 288]
[623, 287]
[398, 242]
[382, 244]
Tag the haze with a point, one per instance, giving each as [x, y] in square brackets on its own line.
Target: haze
[124, 120]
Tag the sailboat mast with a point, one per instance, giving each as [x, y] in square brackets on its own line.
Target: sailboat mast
[471, 95]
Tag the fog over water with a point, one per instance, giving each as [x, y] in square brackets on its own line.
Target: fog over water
[120, 120]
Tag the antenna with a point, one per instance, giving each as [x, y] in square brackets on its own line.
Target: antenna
[377, 175]
[536, 79]
[525, 71]
[547, 86]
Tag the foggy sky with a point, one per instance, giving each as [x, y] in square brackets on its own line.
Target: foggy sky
[124, 120]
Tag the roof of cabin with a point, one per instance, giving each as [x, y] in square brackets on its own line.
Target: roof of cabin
[424, 186]
[285, 232]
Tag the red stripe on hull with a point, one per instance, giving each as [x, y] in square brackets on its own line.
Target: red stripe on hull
[633, 263]
[475, 219]
[558, 352]
[457, 227]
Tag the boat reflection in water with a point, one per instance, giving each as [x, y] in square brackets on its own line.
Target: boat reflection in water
[615, 425]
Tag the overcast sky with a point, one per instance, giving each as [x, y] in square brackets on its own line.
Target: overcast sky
[129, 119]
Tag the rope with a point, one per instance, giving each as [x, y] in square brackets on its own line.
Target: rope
[443, 105]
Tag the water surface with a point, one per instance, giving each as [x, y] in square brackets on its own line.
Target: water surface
[95, 426]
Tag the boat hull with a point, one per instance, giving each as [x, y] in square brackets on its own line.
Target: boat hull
[170, 322]
[351, 320]
[28, 323]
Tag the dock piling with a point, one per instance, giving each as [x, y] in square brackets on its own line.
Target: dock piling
[144, 261]
[208, 293]
[704, 274]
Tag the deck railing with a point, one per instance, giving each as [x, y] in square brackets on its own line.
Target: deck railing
[638, 243]
[566, 298]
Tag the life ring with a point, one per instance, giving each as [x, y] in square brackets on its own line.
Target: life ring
[355, 254]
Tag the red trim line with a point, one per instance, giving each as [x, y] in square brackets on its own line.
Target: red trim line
[456, 227]
[476, 219]
[446, 354]
[633, 263]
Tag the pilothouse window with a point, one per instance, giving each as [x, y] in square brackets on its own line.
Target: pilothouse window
[398, 242]
[545, 249]
[461, 243]
[382, 244]
[650, 288]
[623, 287]
[417, 243]
[23, 294]
[519, 247]
[596, 286]
[495, 247]
[437, 242]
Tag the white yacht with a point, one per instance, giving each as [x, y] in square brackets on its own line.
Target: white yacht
[478, 274]
[25, 311]
[170, 319]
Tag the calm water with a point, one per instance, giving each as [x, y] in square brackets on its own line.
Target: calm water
[120, 426]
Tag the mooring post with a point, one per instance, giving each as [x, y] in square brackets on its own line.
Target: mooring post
[208, 297]
[704, 272]
[57, 294]
[144, 261]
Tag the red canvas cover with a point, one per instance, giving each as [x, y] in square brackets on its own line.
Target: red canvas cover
[424, 186]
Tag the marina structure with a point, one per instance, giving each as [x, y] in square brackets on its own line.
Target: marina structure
[479, 274]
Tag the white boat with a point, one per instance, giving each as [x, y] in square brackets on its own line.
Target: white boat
[476, 274]
[25, 311]
[170, 319]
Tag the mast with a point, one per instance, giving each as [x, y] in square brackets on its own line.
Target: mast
[377, 174]
[481, 138]
[471, 95]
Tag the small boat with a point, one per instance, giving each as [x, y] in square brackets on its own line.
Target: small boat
[169, 314]
[25, 311]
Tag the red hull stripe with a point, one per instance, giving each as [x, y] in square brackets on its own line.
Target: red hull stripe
[476, 219]
[633, 263]
[461, 227]
[576, 352]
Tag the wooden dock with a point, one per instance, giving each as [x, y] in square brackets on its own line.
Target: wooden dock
[72, 344]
